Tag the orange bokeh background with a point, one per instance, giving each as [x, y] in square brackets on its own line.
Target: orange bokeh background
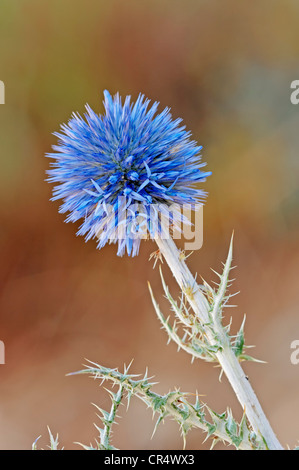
[226, 68]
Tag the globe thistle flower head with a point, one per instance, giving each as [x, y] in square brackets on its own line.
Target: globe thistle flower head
[120, 171]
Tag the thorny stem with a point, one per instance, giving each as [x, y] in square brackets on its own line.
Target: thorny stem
[226, 357]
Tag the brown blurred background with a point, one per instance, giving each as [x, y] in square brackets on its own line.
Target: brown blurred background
[226, 68]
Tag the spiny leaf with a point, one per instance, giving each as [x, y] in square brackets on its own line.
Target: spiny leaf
[238, 345]
[175, 404]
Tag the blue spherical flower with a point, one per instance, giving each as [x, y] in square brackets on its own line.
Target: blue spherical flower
[116, 172]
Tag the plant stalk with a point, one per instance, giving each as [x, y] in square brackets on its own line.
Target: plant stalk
[226, 356]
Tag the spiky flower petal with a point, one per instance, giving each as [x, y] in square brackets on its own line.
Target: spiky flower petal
[120, 170]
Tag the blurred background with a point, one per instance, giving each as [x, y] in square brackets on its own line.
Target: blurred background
[226, 68]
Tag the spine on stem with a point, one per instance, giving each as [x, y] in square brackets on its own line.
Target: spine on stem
[227, 354]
